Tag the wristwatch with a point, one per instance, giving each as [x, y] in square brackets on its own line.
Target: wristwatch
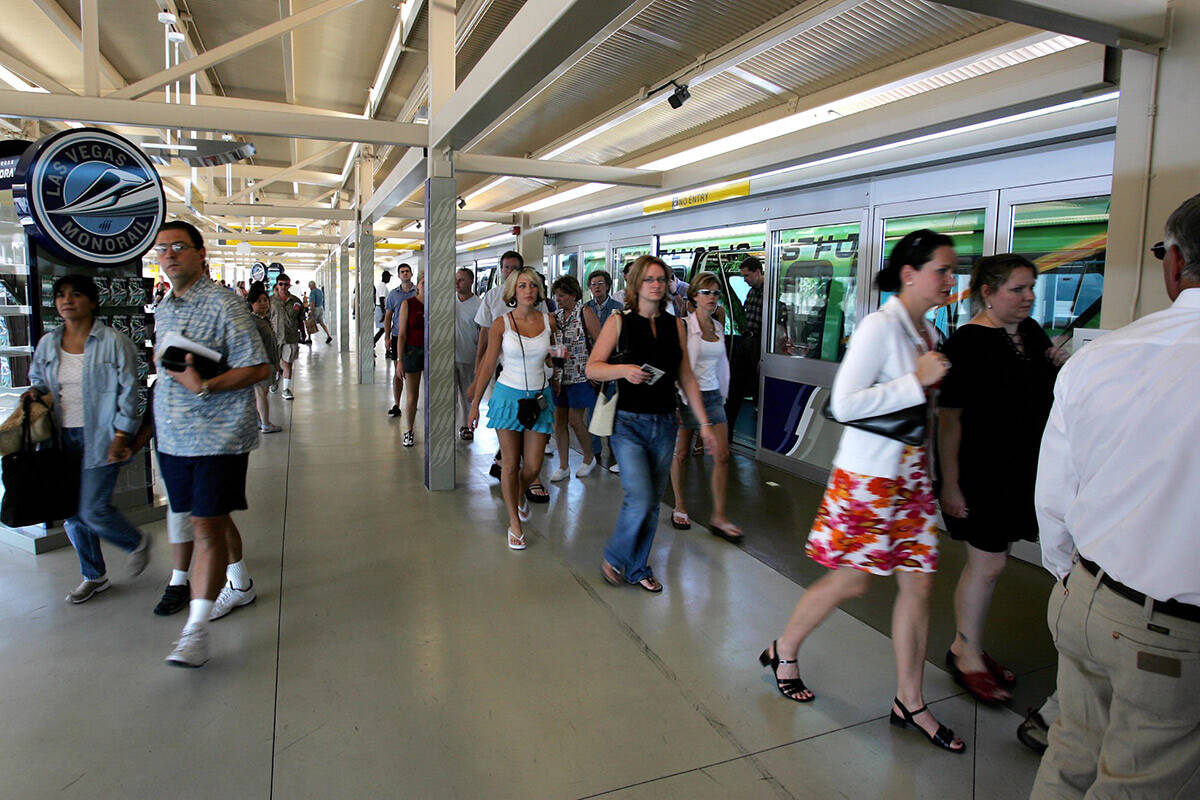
[204, 390]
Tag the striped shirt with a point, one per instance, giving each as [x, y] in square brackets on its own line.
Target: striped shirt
[224, 423]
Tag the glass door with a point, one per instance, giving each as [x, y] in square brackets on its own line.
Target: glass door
[1063, 229]
[565, 263]
[970, 220]
[812, 303]
[623, 254]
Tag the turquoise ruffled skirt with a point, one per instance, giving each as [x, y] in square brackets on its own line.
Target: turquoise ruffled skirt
[502, 409]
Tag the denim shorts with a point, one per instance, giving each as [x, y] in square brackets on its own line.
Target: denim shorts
[205, 486]
[413, 359]
[714, 405]
[576, 395]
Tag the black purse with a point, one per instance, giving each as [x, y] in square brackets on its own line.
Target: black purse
[906, 425]
[39, 485]
[529, 408]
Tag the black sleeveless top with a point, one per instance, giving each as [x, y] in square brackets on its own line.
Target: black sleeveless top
[641, 346]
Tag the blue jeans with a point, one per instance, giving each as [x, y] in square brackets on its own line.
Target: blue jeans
[644, 445]
[97, 517]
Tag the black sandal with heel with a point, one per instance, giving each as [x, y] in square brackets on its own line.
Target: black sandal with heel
[788, 687]
[944, 738]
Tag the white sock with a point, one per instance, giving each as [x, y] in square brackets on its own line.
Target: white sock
[179, 577]
[238, 575]
[287, 383]
[198, 613]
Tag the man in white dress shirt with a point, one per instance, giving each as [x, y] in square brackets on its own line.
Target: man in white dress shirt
[1119, 484]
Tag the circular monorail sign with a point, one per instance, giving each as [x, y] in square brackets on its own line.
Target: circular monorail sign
[90, 196]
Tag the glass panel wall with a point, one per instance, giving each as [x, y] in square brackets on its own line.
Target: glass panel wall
[815, 273]
[625, 254]
[721, 252]
[1067, 241]
[593, 260]
[966, 228]
[565, 264]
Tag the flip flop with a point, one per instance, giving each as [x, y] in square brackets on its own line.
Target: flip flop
[680, 521]
[726, 533]
[534, 497]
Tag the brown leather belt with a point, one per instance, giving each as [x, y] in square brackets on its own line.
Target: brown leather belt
[1172, 607]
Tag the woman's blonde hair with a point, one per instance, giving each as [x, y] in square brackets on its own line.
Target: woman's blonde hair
[633, 281]
[510, 285]
[702, 280]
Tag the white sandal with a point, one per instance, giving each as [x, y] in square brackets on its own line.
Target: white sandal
[523, 512]
[516, 542]
[562, 473]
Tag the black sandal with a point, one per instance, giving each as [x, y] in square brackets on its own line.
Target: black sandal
[544, 497]
[786, 686]
[944, 738]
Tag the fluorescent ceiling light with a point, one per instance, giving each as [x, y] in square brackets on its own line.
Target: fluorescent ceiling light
[562, 197]
[487, 187]
[484, 242]
[165, 146]
[474, 226]
[741, 230]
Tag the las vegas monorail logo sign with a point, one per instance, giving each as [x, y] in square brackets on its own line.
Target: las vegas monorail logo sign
[90, 196]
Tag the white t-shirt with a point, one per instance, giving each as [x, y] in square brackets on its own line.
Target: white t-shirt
[381, 290]
[70, 383]
[466, 332]
[492, 307]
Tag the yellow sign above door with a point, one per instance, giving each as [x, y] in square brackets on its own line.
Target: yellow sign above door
[698, 197]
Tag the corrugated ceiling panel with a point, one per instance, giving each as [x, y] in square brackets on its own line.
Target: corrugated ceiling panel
[635, 56]
[498, 14]
[873, 36]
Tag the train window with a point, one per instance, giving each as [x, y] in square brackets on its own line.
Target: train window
[815, 284]
[626, 255]
[1067, 241]
[592, 261]
[565, 264]
[966, 229]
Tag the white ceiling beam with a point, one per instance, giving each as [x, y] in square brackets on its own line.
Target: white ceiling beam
[289, 69]
[254, 172]
[1051, 79]
[405, 178]
[244, 210]
[463, 215]
[62, 20]
[531, 47]
[32, 74]
[105, 110]
[204, 83]
[255, 236]
[286, 173]
[89, 16]
[554, 170]
[230, 49]
[1116, 23]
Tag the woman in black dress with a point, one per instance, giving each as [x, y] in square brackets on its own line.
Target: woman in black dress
[993, 408]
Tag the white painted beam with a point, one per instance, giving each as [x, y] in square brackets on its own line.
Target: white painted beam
[1116, 23]
[258, 173]
[243, 210]
[32, 74]
[405, 178]
[89, 15]
[464, 215]
[105, 110]
[62, 20]
[533, 44]
[286, 173]
[230, 49]
[202, 80]
[254, 236]
[555, 170]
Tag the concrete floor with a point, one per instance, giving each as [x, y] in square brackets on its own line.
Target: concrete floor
[398, 649]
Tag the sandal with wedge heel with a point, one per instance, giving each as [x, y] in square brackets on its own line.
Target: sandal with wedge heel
[788, 687]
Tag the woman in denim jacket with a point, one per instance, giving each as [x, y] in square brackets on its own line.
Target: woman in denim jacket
[91, 372]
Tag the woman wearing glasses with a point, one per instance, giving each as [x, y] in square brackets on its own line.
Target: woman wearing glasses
[649, 360]
[706, 351]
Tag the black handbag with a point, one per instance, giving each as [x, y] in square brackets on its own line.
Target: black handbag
[906, 425]
[39, 485]
[530, 408]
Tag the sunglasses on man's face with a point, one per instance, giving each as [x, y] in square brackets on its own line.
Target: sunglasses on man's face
[174, 247]
[1159, 250]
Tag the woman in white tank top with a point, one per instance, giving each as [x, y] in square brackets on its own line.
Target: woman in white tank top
[521, 409]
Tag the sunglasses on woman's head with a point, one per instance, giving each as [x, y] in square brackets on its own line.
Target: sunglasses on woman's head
[708, 292]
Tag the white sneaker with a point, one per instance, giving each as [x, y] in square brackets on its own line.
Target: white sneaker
[615, 469]
[287, 395]
[562, 473]
[231, 598]
[585, 470]
[274, 388]
[270, 428]
[192, 648]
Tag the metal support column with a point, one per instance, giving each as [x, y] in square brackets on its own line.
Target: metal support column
[364, 243]
[343, 268]
[441, 189]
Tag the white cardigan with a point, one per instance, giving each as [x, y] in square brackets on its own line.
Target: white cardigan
[692, 323]
[877, 376]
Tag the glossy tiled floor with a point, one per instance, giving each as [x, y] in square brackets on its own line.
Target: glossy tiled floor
[398, 649]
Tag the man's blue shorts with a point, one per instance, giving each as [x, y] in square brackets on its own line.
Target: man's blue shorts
[205, 486]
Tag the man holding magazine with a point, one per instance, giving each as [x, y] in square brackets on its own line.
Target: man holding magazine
[204, 416]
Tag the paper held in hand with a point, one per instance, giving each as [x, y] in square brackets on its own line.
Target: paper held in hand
[173, 339]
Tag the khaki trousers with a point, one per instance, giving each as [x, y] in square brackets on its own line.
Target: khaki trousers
[1129, 690]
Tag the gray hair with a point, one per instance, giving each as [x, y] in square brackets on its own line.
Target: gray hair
[1183, 230]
